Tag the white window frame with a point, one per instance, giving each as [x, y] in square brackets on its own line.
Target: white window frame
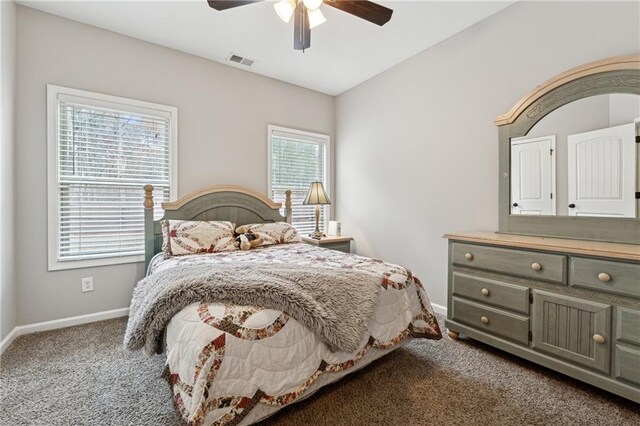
[322, 138]
[54, 95]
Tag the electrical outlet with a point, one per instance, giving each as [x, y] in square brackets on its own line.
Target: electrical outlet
[87, 284]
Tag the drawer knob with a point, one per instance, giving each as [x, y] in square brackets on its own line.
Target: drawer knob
[604, 277]
[598, 338]
[536, 266]
[468, 256]
[485, 291]
[485, 320]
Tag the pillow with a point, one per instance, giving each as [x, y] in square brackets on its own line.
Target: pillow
[182, 237]
[273, 233]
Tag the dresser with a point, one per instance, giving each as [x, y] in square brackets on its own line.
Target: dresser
[569, 305]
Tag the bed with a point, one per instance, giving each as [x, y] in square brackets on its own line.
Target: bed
[231, 364]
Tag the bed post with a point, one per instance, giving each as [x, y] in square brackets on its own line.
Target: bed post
[288, 212]
[149, 237]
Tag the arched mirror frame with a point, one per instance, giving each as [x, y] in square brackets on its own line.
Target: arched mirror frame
[614, 75]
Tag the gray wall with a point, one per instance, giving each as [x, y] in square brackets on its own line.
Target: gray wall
[417, 151]
[7, 98]
[223, 117]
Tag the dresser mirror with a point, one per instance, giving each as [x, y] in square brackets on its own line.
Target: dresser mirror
[579, 160]
[569, 161]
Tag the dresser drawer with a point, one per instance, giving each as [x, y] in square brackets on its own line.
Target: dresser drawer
[627, 364]
[628, 325]
[542, 266]
[604, 275]
[492, 292]
[491, 320]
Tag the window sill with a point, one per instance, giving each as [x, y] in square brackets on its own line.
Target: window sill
[55, 265]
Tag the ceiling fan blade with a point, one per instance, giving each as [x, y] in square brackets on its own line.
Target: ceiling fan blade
[228, 4]
[367, 10]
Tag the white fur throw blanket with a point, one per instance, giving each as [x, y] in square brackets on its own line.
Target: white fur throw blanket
[335, 303]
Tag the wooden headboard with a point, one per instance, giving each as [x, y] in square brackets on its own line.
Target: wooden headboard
[224, 202]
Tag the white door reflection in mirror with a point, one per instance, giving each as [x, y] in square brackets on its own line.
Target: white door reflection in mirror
[602, 172]
[533, 176]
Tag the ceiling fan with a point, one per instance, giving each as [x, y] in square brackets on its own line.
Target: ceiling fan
[307, 14]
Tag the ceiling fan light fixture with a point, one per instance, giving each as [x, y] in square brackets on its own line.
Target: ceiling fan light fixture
[284, 9]
[315, 17]
[312, 4]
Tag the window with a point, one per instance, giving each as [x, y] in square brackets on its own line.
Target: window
[296, 159]
[101, 151]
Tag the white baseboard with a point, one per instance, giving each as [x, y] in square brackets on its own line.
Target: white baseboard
[8, 340]
[439, 309]
[71, 321]
[21, 330]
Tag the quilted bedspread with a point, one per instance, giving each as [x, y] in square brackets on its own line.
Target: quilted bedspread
[231, 364]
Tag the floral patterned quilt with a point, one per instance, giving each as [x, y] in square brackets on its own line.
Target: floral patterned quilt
[230, 364]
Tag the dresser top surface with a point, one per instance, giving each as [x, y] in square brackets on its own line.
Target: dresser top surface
[587, 248]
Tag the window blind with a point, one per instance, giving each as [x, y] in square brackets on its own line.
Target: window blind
[296, 161]
[105, 156]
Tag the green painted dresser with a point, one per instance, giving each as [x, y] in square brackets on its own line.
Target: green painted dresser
[569, 305]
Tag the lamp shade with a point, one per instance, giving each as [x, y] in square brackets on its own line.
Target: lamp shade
[317, 195]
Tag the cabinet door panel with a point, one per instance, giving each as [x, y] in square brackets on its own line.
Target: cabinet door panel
[565, 327]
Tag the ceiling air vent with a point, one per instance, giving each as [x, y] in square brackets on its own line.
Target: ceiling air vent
[240, 60]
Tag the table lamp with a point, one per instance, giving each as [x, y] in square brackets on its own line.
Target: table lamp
[316, 197]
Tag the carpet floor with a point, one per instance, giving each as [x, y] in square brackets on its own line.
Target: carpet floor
[82, 376]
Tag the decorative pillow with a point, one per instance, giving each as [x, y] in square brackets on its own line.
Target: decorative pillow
[181, 237]
[272, 233]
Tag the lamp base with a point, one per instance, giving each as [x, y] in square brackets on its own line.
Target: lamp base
[316, 235]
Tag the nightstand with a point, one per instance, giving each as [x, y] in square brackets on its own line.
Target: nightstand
[342, 244]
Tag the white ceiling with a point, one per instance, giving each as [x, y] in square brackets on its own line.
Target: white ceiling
[345, 50]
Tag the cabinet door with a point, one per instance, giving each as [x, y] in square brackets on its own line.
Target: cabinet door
[574, 329]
